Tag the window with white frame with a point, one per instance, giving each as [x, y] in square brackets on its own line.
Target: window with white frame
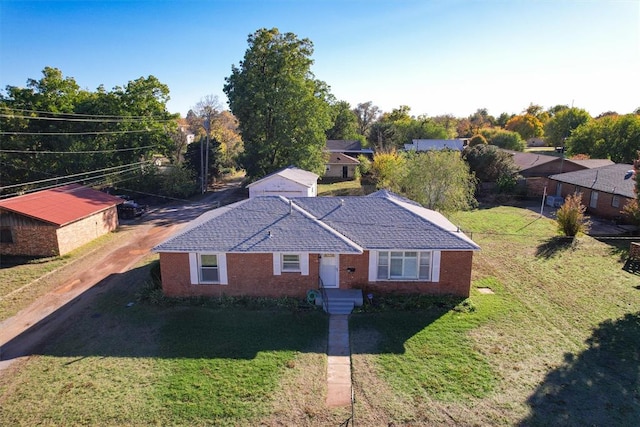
[209, 269]
[404, 265]
[615, 201]
[290, 262]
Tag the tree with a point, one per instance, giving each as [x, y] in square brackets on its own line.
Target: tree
[439, 180]
[504, 139]
[367, 114]
[282, 110]
[489, 163]
[570, 217]
[477, 140]
[612, 136]
[69, 131]
[345, 122]
[527, 125]
[387, 169]
[563, 123]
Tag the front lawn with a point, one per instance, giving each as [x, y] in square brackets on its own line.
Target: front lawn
[557, 342]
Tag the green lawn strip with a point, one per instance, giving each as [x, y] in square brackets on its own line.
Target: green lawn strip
[146, 365]
[429, 351]
[341, 188]
[234, 360]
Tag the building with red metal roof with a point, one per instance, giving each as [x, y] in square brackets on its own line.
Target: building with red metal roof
[55, 221]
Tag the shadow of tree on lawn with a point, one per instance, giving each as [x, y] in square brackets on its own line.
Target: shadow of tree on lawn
[553, 246]
[599, 387]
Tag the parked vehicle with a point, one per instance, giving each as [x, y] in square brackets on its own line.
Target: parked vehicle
[130, 209]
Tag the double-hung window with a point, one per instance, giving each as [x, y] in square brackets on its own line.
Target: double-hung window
[404, 265]
[209, 269]
[291, 262]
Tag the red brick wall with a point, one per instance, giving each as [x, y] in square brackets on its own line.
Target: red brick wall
[604, 208]
[252, 274]
[455, 276]
[32, 240]
[248, 274]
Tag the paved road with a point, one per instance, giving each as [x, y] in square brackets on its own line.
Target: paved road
[76, 287]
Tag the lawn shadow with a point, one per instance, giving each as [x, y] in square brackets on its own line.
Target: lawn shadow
[554, 245]
[386, 331]
[600, 386]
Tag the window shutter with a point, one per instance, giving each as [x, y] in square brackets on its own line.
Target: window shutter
[304, 264]
[373, 266]
[193, 268]
[276, 264]
[435, 275]
[222, 269]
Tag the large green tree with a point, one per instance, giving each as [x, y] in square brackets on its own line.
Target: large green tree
[563, 123]
[609, 137]
[282, 110]
[345, 122]
[52, 128]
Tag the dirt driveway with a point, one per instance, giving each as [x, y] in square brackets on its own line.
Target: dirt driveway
[76, 283]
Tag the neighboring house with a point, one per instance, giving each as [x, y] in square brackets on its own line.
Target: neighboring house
[55, 221]
[605, 190]
[341, 165]
[535, 168]
[351, 148]
[288, 182]
[437, 144]
[278, 246]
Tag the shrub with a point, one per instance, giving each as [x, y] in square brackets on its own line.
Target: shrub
[570, 217]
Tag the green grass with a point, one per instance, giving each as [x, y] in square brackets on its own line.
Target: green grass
[344, 188]
[150, 365]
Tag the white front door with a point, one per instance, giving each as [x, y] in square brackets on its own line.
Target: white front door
[329, 270]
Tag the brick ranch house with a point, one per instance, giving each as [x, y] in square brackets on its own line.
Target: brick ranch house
[275, 246]
[55, 221]
[605, 190]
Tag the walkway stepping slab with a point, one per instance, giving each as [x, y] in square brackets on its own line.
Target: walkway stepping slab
[338, 362]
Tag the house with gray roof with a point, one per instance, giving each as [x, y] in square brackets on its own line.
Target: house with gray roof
[275, 246]
[605, 190]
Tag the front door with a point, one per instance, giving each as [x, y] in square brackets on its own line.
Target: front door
[329, 270]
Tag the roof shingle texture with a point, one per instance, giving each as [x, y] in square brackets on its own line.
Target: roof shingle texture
[62, 205]
[319, 225]
[614, 179]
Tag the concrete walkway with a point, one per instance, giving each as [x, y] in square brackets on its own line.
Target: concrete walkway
[338, 362]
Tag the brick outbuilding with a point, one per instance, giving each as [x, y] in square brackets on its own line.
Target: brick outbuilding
[55, 221]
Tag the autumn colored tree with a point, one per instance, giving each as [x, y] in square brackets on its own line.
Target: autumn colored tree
[527, 125]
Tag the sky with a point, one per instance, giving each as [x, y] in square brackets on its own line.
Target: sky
[435, 56]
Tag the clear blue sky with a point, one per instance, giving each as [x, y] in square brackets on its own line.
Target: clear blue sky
[436, 56]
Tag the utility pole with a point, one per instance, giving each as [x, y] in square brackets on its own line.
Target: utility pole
[207, 127]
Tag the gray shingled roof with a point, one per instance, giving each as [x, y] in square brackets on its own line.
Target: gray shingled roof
[262, 225]
[385, 221]
[608, 179]
[319, 225]
[341, 145]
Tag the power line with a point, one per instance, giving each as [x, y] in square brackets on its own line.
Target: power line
[75, 175]
[96, 120]
[57, 185]
[106, 116]
[74, 152]
[74, 133]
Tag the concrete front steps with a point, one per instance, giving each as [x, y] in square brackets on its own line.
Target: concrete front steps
[340, 301]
